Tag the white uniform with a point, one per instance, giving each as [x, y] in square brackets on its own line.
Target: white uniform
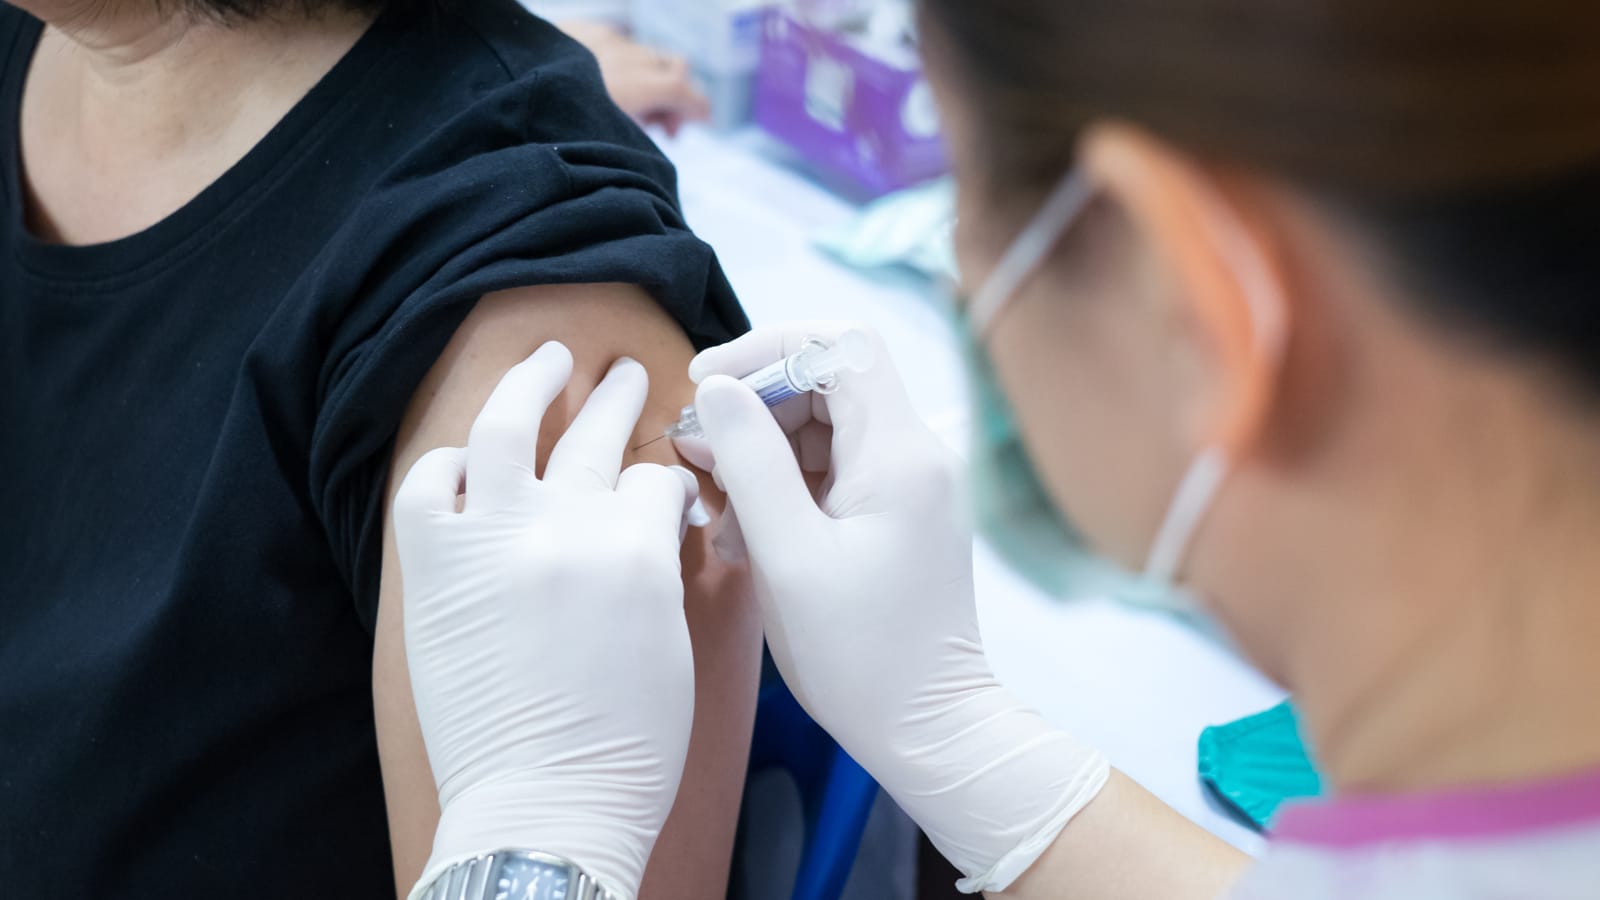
[1534, 842]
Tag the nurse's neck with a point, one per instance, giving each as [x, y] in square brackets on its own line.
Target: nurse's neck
[131, 111]
[1465, 650]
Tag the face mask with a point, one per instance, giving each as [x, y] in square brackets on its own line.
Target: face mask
[1014, 511]
[1259, 763]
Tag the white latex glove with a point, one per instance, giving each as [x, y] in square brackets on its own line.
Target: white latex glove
[544, 629]
[867, 599]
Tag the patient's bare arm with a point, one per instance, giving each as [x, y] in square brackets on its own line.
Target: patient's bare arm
[599, 323]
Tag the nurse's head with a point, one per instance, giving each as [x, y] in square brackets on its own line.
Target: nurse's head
[1352, 251]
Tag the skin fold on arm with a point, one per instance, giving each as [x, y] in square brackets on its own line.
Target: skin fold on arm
[599, 323]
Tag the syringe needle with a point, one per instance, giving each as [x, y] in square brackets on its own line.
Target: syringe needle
[648, 443]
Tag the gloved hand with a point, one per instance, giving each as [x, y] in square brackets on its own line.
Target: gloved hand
[866, 595]
[545, 631]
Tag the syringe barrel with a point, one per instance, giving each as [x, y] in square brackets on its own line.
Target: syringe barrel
[776, 383]
[815, 367]
[772, 384]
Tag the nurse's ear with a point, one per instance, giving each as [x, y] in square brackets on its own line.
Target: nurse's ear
[1227, 308]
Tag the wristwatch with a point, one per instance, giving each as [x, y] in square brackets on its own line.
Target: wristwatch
[514, 875]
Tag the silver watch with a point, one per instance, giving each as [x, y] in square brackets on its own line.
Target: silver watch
[515, 875]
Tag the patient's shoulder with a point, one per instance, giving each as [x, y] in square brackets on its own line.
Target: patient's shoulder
[13, 20]
[554, 76]
[489, 95]
[521, 42]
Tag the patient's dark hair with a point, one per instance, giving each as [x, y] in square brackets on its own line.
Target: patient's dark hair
[1462, 136]
[238, 11]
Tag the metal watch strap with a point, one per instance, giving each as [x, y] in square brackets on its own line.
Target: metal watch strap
[505, 875]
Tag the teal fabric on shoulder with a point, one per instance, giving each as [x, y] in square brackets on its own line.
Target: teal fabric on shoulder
[1258, 763]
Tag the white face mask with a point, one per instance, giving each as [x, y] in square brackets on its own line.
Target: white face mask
[1014, 511]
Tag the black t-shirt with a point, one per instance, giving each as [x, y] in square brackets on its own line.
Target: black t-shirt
[195, 426]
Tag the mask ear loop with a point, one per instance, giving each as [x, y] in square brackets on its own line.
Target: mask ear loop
[1198, 490]
[1029, 250]
[1189, 506]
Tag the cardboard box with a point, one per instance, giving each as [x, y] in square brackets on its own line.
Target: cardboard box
[863, 115]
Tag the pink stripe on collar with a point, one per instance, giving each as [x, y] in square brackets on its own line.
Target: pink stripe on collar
[1463, 815]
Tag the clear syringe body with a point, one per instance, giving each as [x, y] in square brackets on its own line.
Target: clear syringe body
[814, 368]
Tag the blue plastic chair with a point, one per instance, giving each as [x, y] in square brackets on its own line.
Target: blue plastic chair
[836, 794]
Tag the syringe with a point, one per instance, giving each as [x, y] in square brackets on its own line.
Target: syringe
[815, 368]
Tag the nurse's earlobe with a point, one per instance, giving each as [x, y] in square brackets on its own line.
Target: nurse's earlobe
[1229, 300]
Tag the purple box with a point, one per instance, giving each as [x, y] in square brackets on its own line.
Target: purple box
[865, 120]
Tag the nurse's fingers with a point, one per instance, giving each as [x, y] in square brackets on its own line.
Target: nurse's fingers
[811, 440]
[870, 411]
[503, 445]
[432, 485]
[696, 451]
[430, 489]
[870, 401]
[794, 416]
[755, 464]
[813, 446]
[761, 347]
[590, 453]
[728, 541]
[663, 496]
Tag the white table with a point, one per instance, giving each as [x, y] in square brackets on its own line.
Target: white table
[1138, 685]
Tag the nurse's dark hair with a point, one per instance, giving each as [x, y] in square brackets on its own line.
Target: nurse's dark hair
[1461, 136]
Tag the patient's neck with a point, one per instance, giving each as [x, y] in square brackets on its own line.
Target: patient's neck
[130, 114]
